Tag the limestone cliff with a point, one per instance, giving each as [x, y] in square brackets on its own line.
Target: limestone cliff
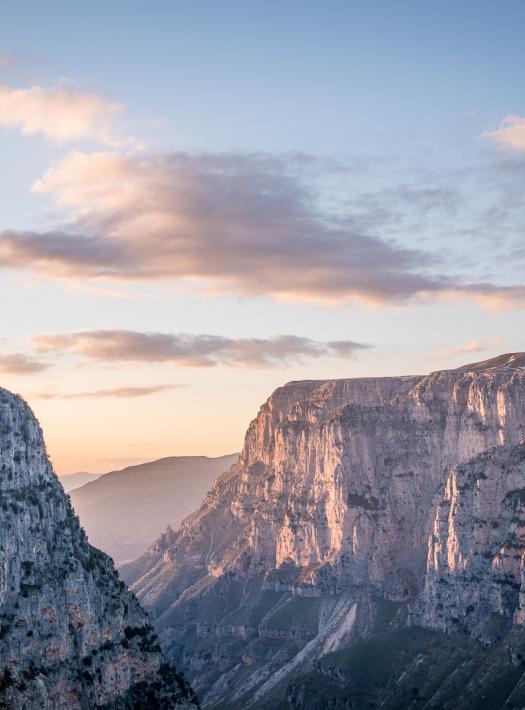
[477, 544]
[71, 635]
[357, 507]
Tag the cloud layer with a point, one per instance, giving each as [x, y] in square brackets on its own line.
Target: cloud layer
[59, 113]
[119, 392]
[188, 350]
[233, 223]
[472, 346]
[19, 364]
[246, 225]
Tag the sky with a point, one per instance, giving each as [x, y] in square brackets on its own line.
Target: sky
[202, 201]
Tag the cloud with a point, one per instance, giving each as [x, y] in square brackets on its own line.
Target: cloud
[19, 364]
[121, 392]
[8, 59]
[511, 133]
[239, 224]
[59, 112]
[188, 350]
[494, 298]
[472, 346]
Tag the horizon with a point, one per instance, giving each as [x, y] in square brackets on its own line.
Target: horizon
[148, 461]
[236, 453]
[202, 203]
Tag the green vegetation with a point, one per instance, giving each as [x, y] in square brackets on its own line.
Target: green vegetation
[294, 614]
[412, 667]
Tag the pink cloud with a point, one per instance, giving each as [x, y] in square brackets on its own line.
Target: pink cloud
[59, 113]
[511, 133]
[242, 224]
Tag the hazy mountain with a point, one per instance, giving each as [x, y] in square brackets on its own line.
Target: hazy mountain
[367, 550]
[75, 480]
[71, 634]
[124, 511]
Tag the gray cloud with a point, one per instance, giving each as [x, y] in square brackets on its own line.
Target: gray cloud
[19, 364]
[189, 350]
[237, 224]
[120, 392]
[240, 224]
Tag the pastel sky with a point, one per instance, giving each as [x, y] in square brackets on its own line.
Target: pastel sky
[201, 201]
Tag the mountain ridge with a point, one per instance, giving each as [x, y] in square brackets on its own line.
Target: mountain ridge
[514, 360]
[124, 510]
[71, 481]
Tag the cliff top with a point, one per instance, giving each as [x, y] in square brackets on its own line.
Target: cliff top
[508, 361]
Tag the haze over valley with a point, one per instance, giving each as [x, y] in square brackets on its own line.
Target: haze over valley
[123, 512]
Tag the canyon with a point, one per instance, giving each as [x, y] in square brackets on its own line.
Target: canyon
[366, 550]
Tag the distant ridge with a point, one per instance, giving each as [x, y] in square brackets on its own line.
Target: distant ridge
[75, 480]
[124, 511]
[508, 361]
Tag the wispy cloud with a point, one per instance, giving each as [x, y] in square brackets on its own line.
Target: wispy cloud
[59, 112]
[9, 59]
[189, 350]
[472, 346]
[510, 134]
[20, 364]
[119, 392]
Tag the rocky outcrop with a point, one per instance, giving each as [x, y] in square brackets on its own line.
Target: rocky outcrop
[349, 495]
[71, 635]
[477, 545]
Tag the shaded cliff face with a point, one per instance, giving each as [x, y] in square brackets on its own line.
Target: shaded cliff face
[339, 521]
[476, 550]
[71, 635]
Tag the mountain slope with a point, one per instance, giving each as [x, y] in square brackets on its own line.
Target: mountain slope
[367, 544]
[71, 635]
[124, 511]
[75, 480]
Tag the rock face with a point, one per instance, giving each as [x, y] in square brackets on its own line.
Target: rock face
[365, 509]
[71, 635]
[477, 545]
